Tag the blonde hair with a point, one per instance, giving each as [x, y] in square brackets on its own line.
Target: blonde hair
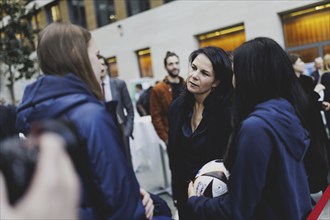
[326, 62]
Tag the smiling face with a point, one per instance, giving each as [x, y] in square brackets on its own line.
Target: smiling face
[173, 66]
[201, 77]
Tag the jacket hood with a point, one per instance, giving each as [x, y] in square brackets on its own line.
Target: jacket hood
[280, 115]
[49, 97]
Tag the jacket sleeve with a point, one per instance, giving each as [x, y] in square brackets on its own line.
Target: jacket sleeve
[110, 170]
[246, 181]
[172, 155]
[156, 116]
[127, 104]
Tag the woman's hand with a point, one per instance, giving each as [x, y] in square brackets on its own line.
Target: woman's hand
[191, 190]
[326, 106]
[147, 203]
[54, 189]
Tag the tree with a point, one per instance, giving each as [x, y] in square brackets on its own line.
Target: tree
[16, 43]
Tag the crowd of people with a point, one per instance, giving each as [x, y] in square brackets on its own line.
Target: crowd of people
[254, 108]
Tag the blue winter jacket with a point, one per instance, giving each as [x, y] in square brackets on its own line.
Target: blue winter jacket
[68, 97]
[268, 179]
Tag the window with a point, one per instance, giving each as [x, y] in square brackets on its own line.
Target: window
[307, 31]
[105, 12]
[112, 64]
[227, 38]
[326, 49]
[137, 6]
[307, 55]
[144, 58]
[34, 19]
[53, 13]
[77, 12]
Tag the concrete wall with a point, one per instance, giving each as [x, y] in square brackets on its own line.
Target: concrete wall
[174, 25]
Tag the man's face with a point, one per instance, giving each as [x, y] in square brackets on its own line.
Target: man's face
[105, 68]
[318, 63]
[173, 66]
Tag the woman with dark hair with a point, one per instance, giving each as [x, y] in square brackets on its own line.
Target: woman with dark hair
[199, 120]
[270, 138]
[70, 89]
[311, 89]
[316, 157]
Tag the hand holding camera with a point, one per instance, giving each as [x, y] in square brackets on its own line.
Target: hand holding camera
[48, 187]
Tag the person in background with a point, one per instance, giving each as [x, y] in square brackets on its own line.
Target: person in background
[199, 120]
[115, 89]
[325, 80]
[311, 89]
[143, 104]
[2, 101]
[317, 73]
[265, 157]
[70, 89]
[164, 93]
[316, 165]
[138, 91]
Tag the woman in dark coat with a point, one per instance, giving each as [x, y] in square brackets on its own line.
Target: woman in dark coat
[316, 157]
[199, 120]
[270, 138]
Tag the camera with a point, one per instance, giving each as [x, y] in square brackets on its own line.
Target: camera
[17, 163]
[18, 158]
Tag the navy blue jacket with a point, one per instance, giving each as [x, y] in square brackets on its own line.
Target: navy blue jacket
[68, 97]
[268, 179]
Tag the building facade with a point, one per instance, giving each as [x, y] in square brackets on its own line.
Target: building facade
[135, 34]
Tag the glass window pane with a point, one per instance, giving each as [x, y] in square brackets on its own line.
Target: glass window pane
[326, 49]
[112, 64]
[228, 39]
[137, 6]
[145, 64]
[77, 12]
[307, 28]
[105, 12]
[307, 55]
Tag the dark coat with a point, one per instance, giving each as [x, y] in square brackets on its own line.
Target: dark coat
[120, 94]
[316, 76]
[268, 178]
[186, 157]
[143, 103]
[316, 156]
[325, 80]
[68, 97]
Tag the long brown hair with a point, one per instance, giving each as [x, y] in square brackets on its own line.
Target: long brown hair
[62, 49]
